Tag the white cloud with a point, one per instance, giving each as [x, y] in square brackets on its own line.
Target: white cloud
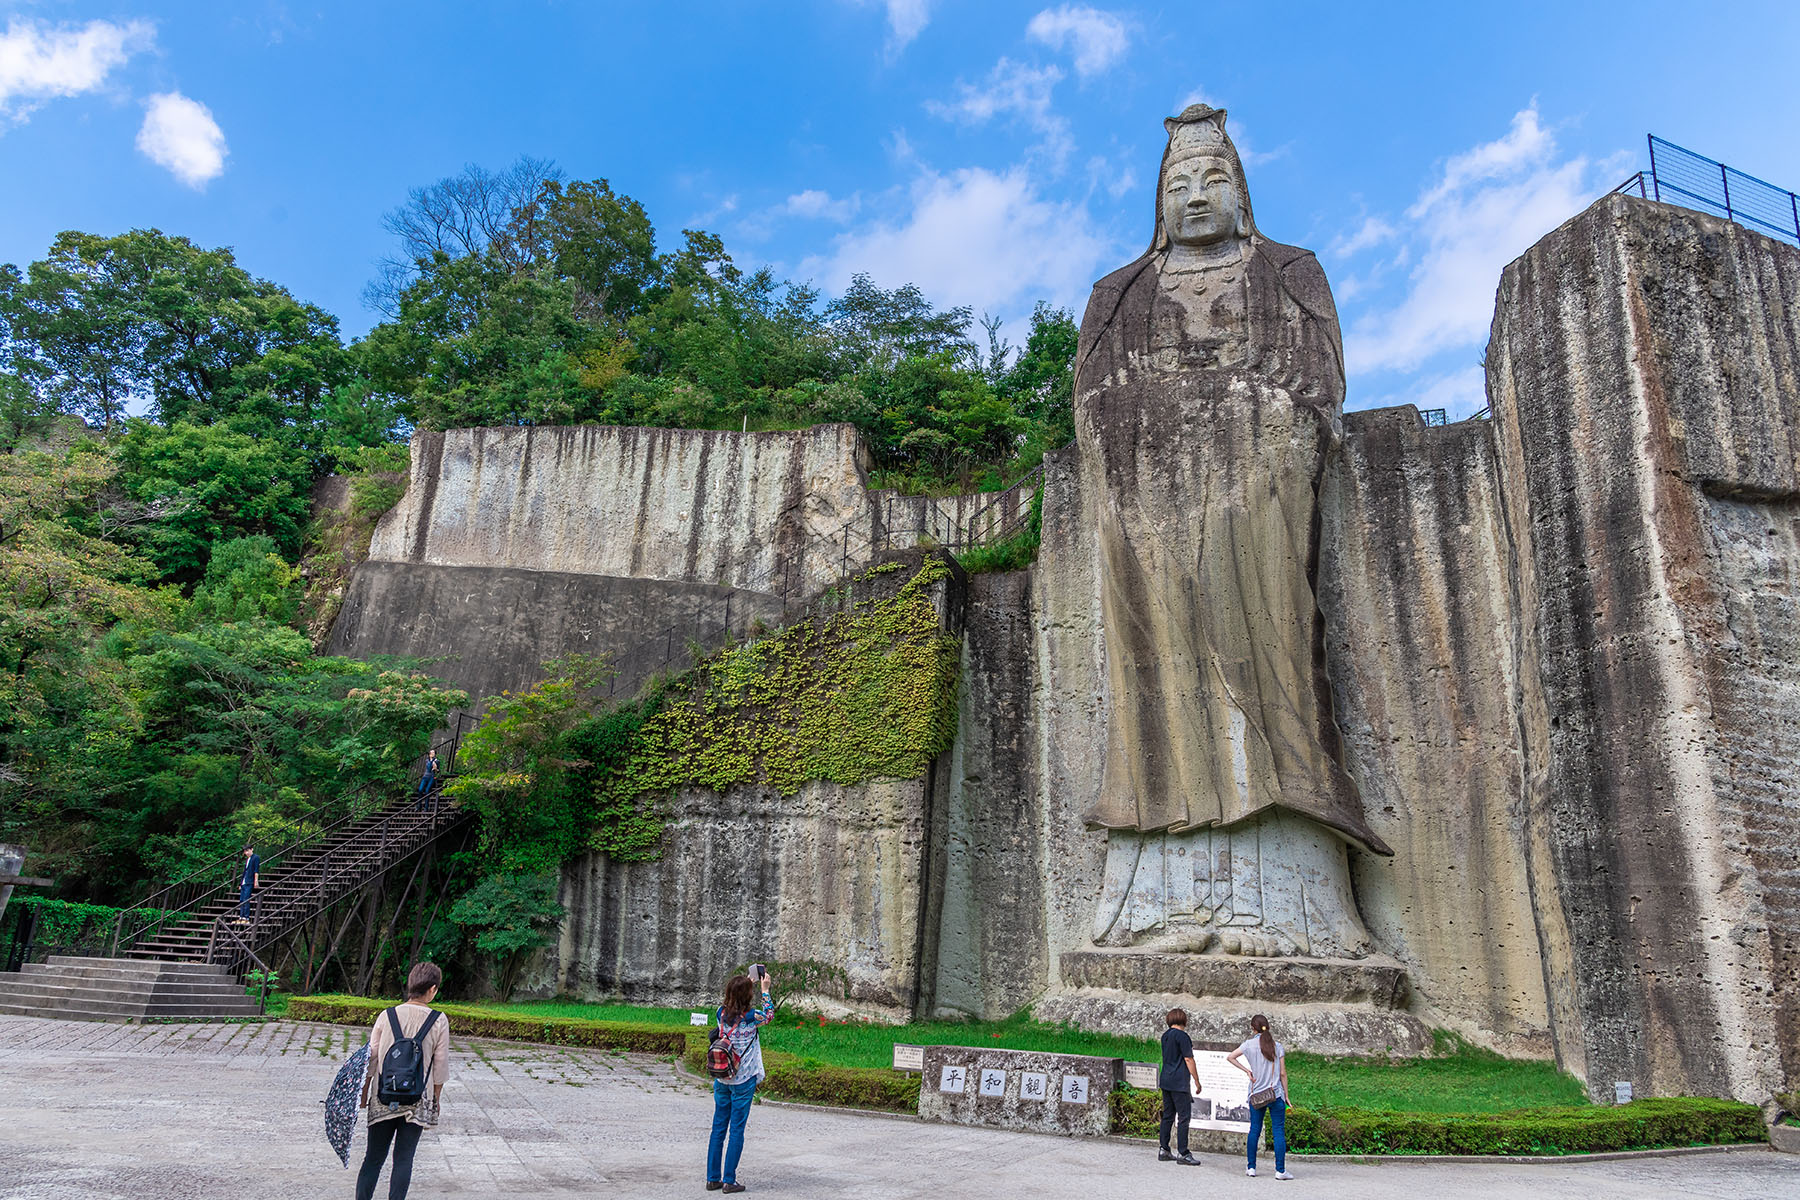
[979, 238]
[1372, 232]
[1093, 38]
[906, 20]
[180, 134]
[813, 204]
[1491, 203]
[1013, 89]
[38, 62]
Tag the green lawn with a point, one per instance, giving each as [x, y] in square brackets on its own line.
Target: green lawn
[1463, 1080]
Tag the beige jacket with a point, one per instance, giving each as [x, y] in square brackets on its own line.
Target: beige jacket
[437, 1057]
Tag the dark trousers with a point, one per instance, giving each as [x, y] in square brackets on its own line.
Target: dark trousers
[1178, 1109]
[244, 895]
[403, 1136]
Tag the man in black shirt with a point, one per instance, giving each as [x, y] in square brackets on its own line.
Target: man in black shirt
[1177, 1098]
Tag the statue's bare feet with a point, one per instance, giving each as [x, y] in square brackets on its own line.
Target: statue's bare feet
[1259, 943]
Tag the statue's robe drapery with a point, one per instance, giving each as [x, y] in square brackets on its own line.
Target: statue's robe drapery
[1207, 424]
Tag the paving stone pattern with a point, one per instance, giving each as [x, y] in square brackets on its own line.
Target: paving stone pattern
[93, 1111]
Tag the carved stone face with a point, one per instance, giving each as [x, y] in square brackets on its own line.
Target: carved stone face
[1200, 201]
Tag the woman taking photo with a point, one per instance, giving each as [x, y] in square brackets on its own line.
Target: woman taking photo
[1264, 1060]
[738, 1034]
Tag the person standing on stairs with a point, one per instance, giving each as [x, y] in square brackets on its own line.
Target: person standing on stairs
[248, 884]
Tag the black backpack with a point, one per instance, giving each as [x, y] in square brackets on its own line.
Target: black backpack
[404, 1067]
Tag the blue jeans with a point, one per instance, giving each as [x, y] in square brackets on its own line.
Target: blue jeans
[244, 895]
[1278, 1118]
[731, 1108]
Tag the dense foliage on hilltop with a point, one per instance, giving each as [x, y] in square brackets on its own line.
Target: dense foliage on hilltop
[165, 416]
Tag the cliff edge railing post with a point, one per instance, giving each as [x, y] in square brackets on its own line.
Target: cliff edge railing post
[1655, 183]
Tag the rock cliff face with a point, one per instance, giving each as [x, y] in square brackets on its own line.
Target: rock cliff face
[1416, 585]
[1644, 370]
[696, 506]
[831, 873]
[1563, 648]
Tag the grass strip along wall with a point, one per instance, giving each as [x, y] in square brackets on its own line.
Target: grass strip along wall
[1640, 1125]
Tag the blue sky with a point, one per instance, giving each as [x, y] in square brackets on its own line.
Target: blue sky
[993, 153]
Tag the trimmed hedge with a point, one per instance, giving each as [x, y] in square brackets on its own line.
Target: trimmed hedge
[1640, 1125]
[788, 1076]
[471, 1020]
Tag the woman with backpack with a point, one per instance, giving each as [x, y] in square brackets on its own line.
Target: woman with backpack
[734, 1060]
[409, 1056]
[1264, 1060]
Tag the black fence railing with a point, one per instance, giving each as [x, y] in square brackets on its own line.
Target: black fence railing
[1677, 175]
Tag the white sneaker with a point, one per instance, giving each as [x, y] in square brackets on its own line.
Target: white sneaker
[1282, 1175]
[1250, 1171]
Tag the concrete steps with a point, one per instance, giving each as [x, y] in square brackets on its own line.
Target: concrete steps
[123, 990]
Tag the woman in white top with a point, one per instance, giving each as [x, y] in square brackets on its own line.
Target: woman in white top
[1264, 1060]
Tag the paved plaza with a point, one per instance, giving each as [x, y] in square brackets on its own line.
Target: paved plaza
[197, 1111]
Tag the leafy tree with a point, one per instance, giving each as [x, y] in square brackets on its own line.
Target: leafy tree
[104, 320]
[246, 580]
[511, 916]
[209, 484]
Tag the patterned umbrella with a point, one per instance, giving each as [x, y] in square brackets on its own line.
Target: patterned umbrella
[344, 1101]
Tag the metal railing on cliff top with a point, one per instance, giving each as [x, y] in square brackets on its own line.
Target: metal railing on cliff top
[1677, 175]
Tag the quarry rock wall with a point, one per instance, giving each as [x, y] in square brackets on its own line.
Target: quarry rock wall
[490, 629]
[1563, 647]
[1642, 371]
[1416, 586]
[695, 506]
[830, 874]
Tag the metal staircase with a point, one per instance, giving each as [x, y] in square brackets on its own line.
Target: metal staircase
[299, 881]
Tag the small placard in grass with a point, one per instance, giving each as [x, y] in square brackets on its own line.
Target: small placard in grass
[909, 1058]
[1141, 1075]
[695, 1018]
[1622, 1092]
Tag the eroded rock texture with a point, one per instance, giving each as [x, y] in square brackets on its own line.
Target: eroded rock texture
[830, 873]
[1643, 375]
[1416, 586]
[700, 506]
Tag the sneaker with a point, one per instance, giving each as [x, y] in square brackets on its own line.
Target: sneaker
[1282, 1175]
[1164, 1156]
[1188, 1160]
[1251, 1172]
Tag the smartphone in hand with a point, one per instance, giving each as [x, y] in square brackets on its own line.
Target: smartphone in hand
[758, 971]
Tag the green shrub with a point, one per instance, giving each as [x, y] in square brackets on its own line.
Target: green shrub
[472, 1020]
[1012, 553]
[1640, 1125]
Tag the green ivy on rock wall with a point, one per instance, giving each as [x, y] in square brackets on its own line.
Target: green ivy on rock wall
[868, 693]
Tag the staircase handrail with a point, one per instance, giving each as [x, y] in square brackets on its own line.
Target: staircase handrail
[306, 828]
[276, 919]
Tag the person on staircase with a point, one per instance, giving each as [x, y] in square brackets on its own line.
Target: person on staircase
[402, 1096]
[428, 781]
[247, 885]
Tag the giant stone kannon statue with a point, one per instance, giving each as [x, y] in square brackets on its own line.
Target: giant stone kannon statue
[1208, 393]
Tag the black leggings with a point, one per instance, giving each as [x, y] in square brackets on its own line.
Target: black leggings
[403, 1135]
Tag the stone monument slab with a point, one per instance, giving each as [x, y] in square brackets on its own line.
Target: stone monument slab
[1070, 1094]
